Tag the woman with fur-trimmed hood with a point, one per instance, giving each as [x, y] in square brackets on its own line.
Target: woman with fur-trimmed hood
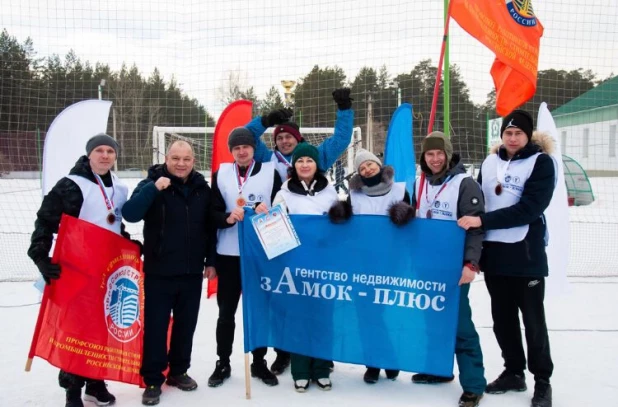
[518, 180]
[374, 192]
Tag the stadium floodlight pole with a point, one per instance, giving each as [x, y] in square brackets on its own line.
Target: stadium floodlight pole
[436, 88]
[101, 84]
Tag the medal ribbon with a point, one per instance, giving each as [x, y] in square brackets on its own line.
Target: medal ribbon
[282, 159]
[109, 203]
[439, 191]
[242, 181]
[501, 170]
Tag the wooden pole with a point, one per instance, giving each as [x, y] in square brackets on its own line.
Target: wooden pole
[247, 378]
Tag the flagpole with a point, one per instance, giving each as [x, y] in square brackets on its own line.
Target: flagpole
[37, 327]
[247, 378]
[436, 88]
[447, 79]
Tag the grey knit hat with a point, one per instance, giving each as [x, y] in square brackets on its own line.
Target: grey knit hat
[101, 140]
[363, 155]
[240, 136]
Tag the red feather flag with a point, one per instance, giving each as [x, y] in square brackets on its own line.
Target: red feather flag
[236, 114]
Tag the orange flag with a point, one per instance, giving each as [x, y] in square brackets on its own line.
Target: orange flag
[511, 30]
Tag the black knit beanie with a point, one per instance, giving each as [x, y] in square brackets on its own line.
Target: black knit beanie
[520, 119]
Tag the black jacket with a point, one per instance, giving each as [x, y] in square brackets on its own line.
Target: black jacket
[526, 258]
[64, 197]
[177, 229]
[469, 203]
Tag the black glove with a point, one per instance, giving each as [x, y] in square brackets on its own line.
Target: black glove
[342, 98]
[48, 270]
[401, 213]
[340, 212]
[276, 117]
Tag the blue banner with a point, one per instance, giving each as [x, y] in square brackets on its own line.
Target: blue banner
[365, 292]
[399, 146]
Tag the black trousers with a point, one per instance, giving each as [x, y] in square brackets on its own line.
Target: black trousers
[228, 296]
[181, 296]
[509, 295]
[68, 380]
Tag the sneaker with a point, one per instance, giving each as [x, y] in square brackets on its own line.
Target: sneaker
[542, 394]
[151, 396]
[391, 374]
[223, 371]
[324, 383]
[74, 398]
[281, 363]
[468, 399]
[422, 378]
[260, 370]
[372, 375]
[301, 386]
[507, 381]
[184, 382]
[96, 391]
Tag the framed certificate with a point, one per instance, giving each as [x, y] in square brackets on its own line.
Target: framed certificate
[275, 231]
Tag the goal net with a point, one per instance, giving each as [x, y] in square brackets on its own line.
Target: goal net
[200, 138]
[178, 64]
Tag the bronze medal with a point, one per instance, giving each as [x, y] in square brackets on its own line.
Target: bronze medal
[428, 215]
[498, 189]
[111, 218]
[241, 201]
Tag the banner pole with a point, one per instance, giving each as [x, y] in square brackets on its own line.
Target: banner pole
[436, 88]
[37, 328]
[247, 378]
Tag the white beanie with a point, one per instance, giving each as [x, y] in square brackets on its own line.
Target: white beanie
[363, 155]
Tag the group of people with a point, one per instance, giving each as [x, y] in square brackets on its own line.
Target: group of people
[191, 233]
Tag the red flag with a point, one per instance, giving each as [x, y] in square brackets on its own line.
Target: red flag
[91, 319]
[236, 114]
[511, 30]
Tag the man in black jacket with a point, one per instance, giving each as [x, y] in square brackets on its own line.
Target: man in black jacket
[72, 195]
[174, 202]
[518, 181]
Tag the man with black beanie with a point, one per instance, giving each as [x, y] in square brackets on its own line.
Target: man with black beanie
[518, 180]
[243, 183]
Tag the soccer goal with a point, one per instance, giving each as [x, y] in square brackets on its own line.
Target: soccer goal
[201, 140]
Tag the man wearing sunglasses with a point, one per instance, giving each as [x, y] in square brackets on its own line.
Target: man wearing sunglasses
[517, 180]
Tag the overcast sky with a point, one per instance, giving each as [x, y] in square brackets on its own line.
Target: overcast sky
[201, 41]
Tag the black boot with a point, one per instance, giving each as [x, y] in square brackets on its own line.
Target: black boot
[260, 370]
[372, 375]
[422, 378]
[507, 381]
[96, 391]
[223, 371]
[281, 363]
[542, 394]
[151, 396]
[74, 397]
[183, 382]
[391, 374]
[468, 399]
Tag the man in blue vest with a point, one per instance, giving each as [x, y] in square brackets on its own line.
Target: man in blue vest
[518, 180]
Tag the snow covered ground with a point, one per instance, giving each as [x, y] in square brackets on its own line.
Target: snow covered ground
[583, 326]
